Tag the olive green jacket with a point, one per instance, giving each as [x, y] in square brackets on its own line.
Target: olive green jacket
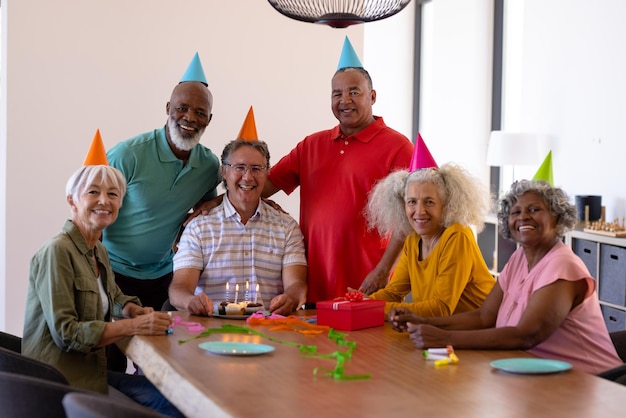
[64, 317]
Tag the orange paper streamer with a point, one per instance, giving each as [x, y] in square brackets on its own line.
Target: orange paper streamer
[290, 323]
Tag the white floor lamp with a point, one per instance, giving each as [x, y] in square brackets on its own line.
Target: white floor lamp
[509, 149]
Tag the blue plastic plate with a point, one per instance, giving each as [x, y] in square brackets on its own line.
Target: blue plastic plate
[227, 348]
[530, 365]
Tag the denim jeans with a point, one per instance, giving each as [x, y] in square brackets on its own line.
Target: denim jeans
[142, 391]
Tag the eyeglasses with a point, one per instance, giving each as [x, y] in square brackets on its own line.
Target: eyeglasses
[242, 169]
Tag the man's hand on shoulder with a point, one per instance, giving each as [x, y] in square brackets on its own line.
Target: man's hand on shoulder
[274, 205]
[204, 208]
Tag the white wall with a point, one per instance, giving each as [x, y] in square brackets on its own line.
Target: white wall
[563, 79]
[456, 81]
[388, 56]
[572, 88]
[71, 66]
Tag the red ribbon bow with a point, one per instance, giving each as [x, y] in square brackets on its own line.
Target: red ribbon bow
[354, 296]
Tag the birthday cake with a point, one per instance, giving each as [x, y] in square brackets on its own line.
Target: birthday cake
[235, 308]
[253, 307]
[240, 308]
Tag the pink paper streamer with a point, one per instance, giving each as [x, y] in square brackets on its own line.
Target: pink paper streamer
[191, 326]
[261, 315]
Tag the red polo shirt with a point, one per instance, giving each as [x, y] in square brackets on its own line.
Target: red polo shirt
[335, 175]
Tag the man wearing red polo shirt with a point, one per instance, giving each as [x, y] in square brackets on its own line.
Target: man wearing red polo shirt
[336, 170]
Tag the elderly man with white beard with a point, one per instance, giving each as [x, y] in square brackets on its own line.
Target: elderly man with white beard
[168, 173]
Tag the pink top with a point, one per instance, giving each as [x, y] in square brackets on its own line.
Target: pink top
[582, 339]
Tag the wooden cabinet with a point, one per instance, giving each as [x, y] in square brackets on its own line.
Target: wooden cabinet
[605, 257]
[495, 250]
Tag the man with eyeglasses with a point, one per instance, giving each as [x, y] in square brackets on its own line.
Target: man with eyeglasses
[243, 242]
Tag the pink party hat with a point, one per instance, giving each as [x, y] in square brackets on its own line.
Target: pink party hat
[96, 154]
[421, 156]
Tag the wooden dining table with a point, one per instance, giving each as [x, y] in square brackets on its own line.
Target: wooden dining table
[402, 383]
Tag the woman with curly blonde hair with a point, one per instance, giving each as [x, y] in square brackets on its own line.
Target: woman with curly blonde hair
[440, 264]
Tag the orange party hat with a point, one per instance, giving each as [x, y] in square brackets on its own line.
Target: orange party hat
[421, 156]
[248, 129]
[96, 154]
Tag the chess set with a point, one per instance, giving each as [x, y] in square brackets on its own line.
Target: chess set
[614, 229]
[610, 229]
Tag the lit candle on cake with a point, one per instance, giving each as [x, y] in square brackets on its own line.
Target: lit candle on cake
[247, 294]
[236, 292]
[256, 293]
[227, 293]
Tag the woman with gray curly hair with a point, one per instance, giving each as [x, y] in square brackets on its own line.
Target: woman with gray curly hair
[545, 300]
[440, 264]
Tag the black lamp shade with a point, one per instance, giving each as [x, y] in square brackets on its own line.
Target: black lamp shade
[339, 13]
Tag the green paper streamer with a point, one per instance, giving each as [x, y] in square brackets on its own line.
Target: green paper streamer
[308, 351]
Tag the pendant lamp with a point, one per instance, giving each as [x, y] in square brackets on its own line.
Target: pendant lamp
[339, 13]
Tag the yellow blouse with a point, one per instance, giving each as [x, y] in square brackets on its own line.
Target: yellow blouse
[453, 278]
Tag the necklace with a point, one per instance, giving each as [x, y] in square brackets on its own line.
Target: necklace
[429, 244]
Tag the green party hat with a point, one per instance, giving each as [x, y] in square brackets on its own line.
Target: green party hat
[545, 170]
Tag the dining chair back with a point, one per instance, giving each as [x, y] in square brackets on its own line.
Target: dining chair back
[10, 341]
[619, 341]
[95, 405]
[617, 374]
[13, 362]
[26, 396]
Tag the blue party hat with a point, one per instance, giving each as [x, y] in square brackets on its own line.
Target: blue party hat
[348, 57]
[194, 71]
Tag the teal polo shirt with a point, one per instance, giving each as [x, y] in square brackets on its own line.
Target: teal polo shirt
[160, 194]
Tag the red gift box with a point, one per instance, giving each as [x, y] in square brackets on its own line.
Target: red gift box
[344, 315]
